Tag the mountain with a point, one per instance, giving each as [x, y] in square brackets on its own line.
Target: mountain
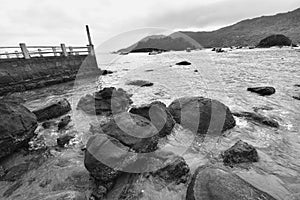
[249, 32]
[245, 33]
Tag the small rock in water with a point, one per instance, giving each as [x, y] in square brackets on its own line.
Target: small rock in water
[64, 122]
[184, 63]
[63, 140]
[106, 72]
[140, 83]
[296, 97]
[241, 152]
[195, 70]
[48, 124]
[263, 91]
[52, 110]
[297, 85]
[258, 119]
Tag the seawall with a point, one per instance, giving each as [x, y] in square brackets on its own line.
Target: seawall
[19, 74]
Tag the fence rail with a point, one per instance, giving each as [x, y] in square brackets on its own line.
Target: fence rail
[27, 52]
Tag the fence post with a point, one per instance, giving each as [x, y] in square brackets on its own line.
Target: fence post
[54, 51]
[71, 50]
[91, 50]
[17, 54]
[64, 49]
[25, 51]
[40, 52]
[7, 55]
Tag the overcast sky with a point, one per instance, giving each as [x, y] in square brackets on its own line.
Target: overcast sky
[51, 22]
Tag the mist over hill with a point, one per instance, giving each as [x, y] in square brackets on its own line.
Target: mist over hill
[248, 32]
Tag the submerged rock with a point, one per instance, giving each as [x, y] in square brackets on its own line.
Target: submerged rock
[64, 139]
[258, 118]
[202, 115]
[134, 131]
[263, 91]
[140, 83]
[106, 101]
[241, 152]
[275, 40]
[53, 109]
[106, 72]
[210, 183]
[176, 171]
[159, 116]
[64, 122]
[17, 126]
[184, 63]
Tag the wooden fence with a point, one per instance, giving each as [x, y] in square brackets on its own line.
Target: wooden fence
[27, 52]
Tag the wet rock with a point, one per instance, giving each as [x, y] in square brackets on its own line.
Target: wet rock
[219, 50]
[195, 70]
[106, 72]
[48, 124]
[258, 118]
[140, 83]
[241, 152]
[176, 171]
[52, 110]
[296, 97]
[275, 40]
[106, 101]
[184, 63]
[202, 115]
[297, 85]
[159, 116]
[149, 70]
[134, 131]
[105, 157]
[64, 122]
[211, 183]
[263, 91]
[17, 126]
[65, 139]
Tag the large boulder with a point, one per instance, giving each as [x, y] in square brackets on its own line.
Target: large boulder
[106, 101]
[52, 110]
[258, 118]
[159, 116]
[210, 183]
[275, 40]
[17, 126]
[241, 152]
[263, 91]
[202, 115]
[134, 131]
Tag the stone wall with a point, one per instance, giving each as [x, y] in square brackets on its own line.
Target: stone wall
[21, 74]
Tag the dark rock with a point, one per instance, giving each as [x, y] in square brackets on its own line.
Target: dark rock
[149, 70]
[210, 183]
[134, 131]
[195, 70]
[296, 97]
[184, 63]
[241, 152]
[263, 91]
[106, 101]
[17, 126]
[176, 171]
[275, 40]
[52, 110]
[202, 115]
[258, 119]
[213, 49]
[297, 85]
[219, 50]
[48, 124]
[159, 116]
[140, 83]
[63, 140]
[64, 122]
[106, 72]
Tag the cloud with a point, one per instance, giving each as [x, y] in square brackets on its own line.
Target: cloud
[54, 21]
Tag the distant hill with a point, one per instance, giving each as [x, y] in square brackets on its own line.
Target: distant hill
[245, 33]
